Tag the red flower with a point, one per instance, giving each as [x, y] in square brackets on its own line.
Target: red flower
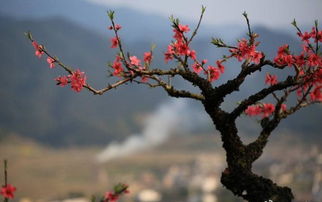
[181, 48]
[115, 42]
[256, 56]
[118, 27]
[253, 110]
[169, 54]
[192, 54]
[246, 51]
[300, 60]
[204, 61]
[38, 49]
[144, 79]
[314, 60]
[78, 80]
[305, 37]
[111, 197]
[283, 107]
[147, 57]
[270, 79]
[283, 49]
[220, 66]
[135, 61]
[7, 191]
[316, 94]
[316, 35]
[214, 73]
[62, 80]
[117, 66]
[51, 62]
[184, 28]
[267, 109]
[196, 68]
[283, 57]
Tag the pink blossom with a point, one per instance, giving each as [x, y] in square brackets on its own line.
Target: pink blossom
[135, 61]
[38, 49]
[204, 61]
[147, 57]
[144, 79]
[118, 27]
[169, 54]
[62, 80]
[214, 73]
[267, 109]
[196, 68]
[51, 62]
[316, 94]
[184, 28]
[117, 66]
[192, 54]
[115, 42]
[253, 110]
[305, 36]
[256, 56]
[270, 79]
[220, 66]
[283, 107]
[78, 80]
[7, 191]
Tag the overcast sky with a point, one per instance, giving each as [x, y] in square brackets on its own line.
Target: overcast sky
[271, 13]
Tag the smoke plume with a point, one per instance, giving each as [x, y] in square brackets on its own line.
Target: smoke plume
[168, 118]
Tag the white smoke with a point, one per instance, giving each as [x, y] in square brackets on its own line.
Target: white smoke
[169, 117]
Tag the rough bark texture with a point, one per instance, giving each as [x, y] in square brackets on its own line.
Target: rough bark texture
[238, 176]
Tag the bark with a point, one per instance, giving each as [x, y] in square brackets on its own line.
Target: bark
[238, 176]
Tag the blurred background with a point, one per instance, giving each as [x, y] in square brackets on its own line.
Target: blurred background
[63, 145]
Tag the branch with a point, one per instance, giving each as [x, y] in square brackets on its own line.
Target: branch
[290, 81]
[171, 90]
[203, 9]
[255, 148]
[108, 87]
[234, 84]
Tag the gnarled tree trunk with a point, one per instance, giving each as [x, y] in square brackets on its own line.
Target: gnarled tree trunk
[238, 176]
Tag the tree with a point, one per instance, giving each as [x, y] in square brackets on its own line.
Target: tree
[305, 82]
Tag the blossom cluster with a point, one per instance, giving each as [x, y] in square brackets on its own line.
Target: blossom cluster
[271, 79]
[134, 64]
[308, 63]
[8, 191]
[180, 47]
[246, 50]
[77, 79]
[264, 109]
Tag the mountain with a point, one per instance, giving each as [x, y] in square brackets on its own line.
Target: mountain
[31, 103]
[137, 25]
[33, 106]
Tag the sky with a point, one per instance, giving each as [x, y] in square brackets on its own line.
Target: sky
[270, 13]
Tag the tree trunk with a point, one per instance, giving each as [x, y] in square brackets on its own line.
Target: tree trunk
[254, 188]
[238, 177]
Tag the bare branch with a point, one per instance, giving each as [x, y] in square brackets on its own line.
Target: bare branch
[108, 87]
[203, 9]
[174, 92]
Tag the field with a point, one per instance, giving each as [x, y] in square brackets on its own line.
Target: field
[46, 174]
